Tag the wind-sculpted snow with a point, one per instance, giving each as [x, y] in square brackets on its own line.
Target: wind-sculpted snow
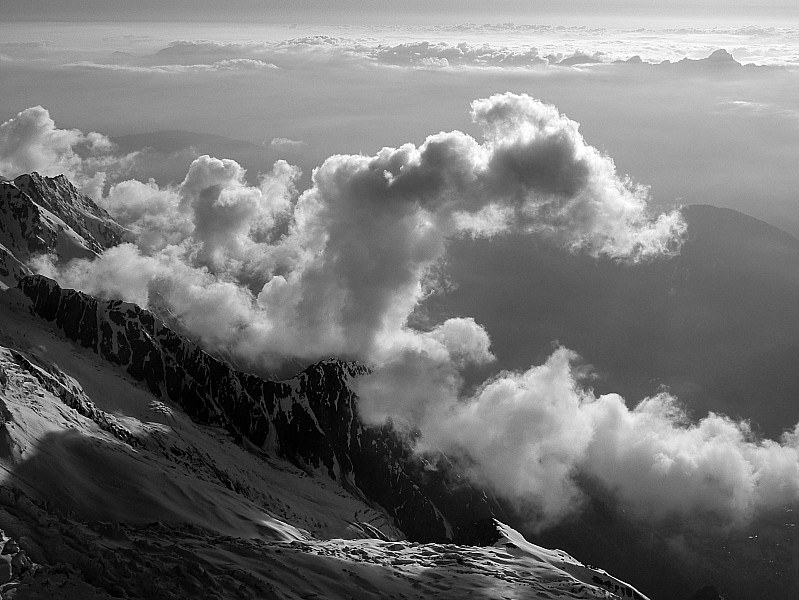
[311, 418]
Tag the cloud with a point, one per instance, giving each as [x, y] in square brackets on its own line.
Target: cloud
[233, 64]
[746, 107]
[442, 54]
[503, 46]
[588, 48]
[152, 214]
[531, 436]
[338, 269]
[31, 142]
[266, 274]
[287, 144]
[223, 223]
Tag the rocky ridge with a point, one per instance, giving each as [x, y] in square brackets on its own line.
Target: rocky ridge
[311, 419]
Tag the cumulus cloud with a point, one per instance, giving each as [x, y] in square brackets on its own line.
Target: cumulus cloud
[531, 436]
[224, 225]
[338, 269]
[264, 273]
[32, 142]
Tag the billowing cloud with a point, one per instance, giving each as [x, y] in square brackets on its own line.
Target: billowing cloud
[339, 269]
[31, 142]
[531, 436]
[224, 225]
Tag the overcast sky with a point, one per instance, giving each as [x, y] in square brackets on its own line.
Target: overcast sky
[761, 11]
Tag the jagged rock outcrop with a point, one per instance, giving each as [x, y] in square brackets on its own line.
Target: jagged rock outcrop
[14, 563]
[311, 418]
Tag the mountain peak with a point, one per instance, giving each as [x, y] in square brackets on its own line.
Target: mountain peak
[721, 56]
[49, 215]
[53, 191]
[718, 58]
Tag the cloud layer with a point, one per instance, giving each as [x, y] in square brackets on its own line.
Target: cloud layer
[461, 48]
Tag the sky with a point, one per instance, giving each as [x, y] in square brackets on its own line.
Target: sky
[297, 187]
[411, 11]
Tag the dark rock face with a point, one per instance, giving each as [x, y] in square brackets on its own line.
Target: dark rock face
[311, 419]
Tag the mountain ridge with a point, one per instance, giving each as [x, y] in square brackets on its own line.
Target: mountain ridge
[284, 416]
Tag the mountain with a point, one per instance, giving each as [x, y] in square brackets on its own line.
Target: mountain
[48, 215]
[310, 419]
[134, 464]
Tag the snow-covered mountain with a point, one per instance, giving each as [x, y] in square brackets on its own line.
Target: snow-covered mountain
[134, 464]
[48, 215]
